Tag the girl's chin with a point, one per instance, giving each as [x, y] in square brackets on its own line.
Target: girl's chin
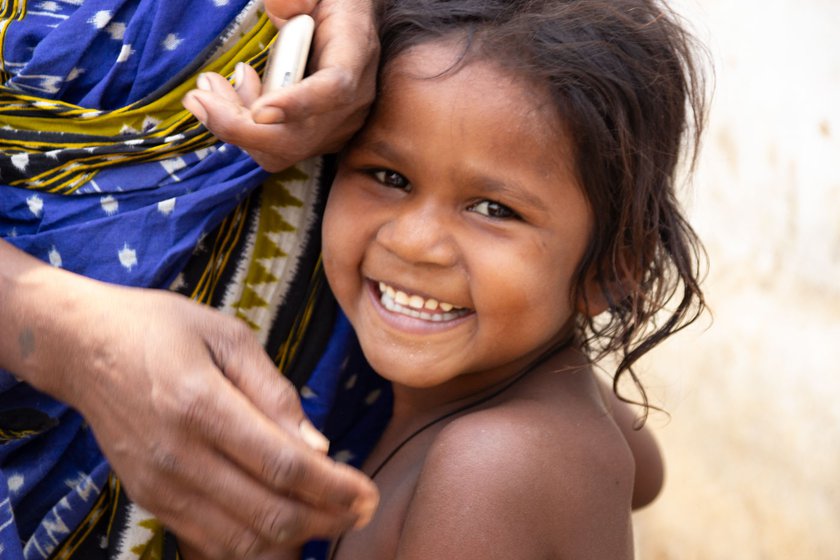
[412, 371]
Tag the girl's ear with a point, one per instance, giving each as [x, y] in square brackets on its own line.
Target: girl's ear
[592, 301]
[622, 280]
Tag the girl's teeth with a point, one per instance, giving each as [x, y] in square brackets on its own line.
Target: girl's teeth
[386, 289]
[417, 306]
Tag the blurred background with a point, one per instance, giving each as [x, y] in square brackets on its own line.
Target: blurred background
[752, 443]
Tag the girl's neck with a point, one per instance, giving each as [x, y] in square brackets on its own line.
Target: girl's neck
[414, 406]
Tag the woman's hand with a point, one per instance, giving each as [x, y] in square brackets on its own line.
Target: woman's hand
[188, 552]
[187, 407]
[313, 117]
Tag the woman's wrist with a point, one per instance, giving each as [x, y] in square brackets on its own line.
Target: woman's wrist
[41, 323]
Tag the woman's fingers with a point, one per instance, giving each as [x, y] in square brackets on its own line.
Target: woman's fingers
[279, 10]
[344, 57]
[184, 437]
[319, 94]
[245, 509]
[275, 453]
[247, 84]
[312, 117]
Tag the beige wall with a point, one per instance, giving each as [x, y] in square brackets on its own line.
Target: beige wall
[753, 441]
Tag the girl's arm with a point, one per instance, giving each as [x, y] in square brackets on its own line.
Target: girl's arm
[650, 467]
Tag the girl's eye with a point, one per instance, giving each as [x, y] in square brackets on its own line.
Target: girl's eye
[494, 210]
[392, 179]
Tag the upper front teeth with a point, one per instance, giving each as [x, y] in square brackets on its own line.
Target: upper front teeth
[414, 301]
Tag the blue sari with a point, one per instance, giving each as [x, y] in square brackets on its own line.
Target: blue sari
[103, 172]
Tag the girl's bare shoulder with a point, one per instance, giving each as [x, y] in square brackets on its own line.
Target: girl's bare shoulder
[532, 476]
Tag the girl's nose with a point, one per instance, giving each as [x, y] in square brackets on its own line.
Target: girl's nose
[420, 234]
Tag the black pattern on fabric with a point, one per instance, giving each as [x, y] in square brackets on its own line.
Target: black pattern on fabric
[20, 423]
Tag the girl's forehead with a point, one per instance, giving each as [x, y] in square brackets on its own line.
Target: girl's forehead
[440, 64]
[436, 76]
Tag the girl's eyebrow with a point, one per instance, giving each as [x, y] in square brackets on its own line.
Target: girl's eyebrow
[381, 148]
[507, 190]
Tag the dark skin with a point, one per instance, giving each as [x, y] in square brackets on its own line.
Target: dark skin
[491, 472]
[650, 469]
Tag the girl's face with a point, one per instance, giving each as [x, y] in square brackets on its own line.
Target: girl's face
[455, 225]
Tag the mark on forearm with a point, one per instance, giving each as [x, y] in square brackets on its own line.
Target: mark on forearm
[26, 340]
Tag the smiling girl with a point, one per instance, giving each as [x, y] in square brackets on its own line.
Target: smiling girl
[506, 216]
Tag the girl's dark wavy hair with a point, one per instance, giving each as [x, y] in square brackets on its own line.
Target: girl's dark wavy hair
[626, 86]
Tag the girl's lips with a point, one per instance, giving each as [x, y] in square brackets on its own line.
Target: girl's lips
[414, 311]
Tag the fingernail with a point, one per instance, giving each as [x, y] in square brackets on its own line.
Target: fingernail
[203, 82]
[200, 111]
[313, 437]
[238, 75]
[365, 509]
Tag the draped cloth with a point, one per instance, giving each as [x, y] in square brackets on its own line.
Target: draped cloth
[102, 172]
[97, 150]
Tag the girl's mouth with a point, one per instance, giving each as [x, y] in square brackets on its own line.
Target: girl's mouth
[418, 307]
